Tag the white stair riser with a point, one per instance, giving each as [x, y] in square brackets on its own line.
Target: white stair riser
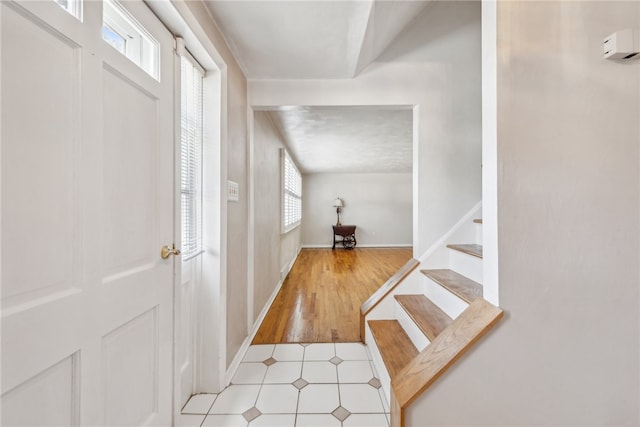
[378, 364]
[385, 309]
[448, 302]
[418, 338]
[467, 265]
[478, 234]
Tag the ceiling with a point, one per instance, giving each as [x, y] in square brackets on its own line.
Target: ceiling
[310, 39]
[325, 39]
[347, 139]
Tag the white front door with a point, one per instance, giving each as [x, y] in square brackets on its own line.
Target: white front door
[87, 204]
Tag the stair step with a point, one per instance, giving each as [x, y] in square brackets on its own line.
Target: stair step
[426, 315]
[394, 345]
[478, 221]
[443, 352]
[470, 249]
[457, 284]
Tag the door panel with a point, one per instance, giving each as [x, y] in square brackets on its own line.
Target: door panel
[129, 178]
[55, 388]
[131, 371]
[40, 222]
[87, 203]
[191, 279]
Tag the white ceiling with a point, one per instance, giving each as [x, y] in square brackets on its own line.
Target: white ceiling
[310, 39]
[325, 39]
[348, 139]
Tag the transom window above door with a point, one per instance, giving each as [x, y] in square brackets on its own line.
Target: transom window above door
[130, 38]
[74, 7]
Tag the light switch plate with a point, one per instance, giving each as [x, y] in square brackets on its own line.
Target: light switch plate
[233, 191]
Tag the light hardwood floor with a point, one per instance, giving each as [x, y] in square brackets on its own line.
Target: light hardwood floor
[320, 299]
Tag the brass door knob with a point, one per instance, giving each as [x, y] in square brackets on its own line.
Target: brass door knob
[169, 250]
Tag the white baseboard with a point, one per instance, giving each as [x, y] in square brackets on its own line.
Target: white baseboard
[235, 364]
[385, 245]
[389, 245]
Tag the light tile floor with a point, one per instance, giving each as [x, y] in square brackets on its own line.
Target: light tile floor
[295, 385]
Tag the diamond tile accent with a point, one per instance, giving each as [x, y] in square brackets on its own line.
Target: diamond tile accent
[251, 414]
[341, 413]
[336, 360]
[289, 384]
[300, 383]
[375, 382]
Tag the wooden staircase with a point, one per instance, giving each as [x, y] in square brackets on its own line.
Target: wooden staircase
[429, 330]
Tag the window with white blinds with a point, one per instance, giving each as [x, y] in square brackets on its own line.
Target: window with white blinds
[291, 193]
[191, 130]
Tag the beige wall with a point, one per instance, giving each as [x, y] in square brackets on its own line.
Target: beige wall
[237, 212]
[379, 204]
[567, 352]
[273, 251]
[234, 116]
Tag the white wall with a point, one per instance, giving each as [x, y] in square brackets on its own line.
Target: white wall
[273, 251]
[568, 350]
[441, 77]
[379, 204]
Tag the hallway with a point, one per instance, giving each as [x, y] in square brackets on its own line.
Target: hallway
[306, 366]
[287, 385]
[321, 297]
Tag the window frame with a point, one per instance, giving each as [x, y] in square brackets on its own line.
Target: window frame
[73, 7]
[140, 47]
[291, 192]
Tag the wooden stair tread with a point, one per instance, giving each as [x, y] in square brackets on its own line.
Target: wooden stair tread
[457, 284]
[438, 356]
[470, 249]
[394, 344]
[383, 290]
[427, 316]
[478, 221]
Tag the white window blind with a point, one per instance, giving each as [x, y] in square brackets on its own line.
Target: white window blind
[191, 153]
[291, 193]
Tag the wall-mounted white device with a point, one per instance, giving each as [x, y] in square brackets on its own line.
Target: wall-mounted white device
[623, 44]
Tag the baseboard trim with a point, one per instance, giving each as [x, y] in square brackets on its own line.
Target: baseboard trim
[235, 364]
[389, 245]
